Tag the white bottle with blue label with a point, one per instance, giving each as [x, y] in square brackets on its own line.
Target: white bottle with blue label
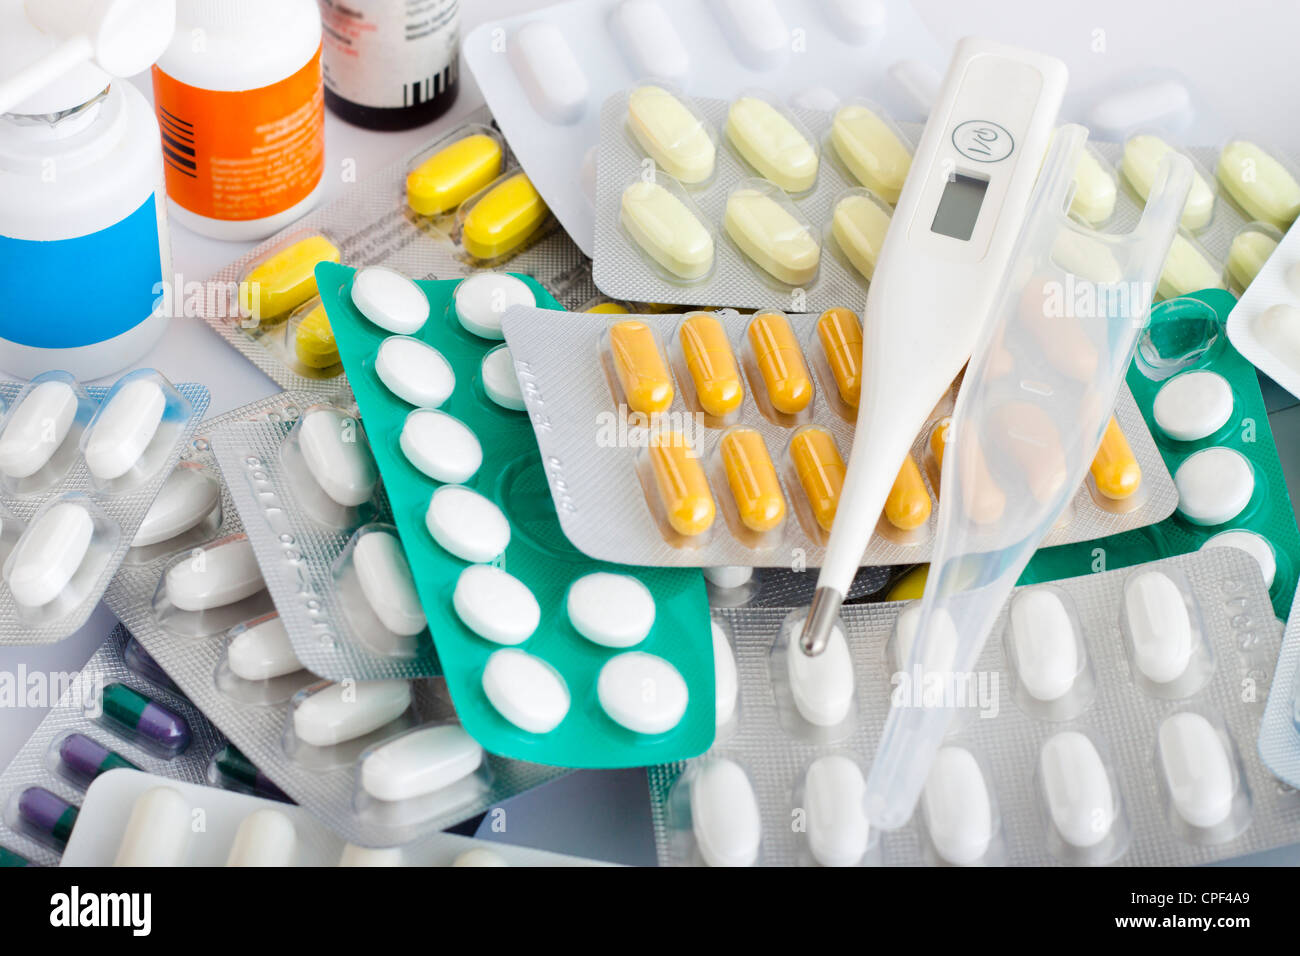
[84, 251]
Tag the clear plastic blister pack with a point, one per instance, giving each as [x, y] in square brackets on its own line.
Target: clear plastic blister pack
[608, 474]
[1279, 733]
[1077, 740]
[1265, 325]
[79, 469]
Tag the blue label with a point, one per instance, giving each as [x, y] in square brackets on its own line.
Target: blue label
[73, 292]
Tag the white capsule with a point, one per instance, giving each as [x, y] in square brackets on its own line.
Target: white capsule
[415, 372]
[856, 21]
[466, 524]
[387, 583]
[49, 554]
[958, 812]
[1047, 655]
[724, 815]
[216, 576]
[499, 379]
[942, 644]
[1214, 485]
[1159, 626]
[650, 41]
[1197, 769]
[482, 299]
[158, 830]
[1078, 790]
[525, 690]
[822, 686]
[758, 34]
[480, 856]
[342, 712]
[370, 856]
[1154, 104]
[1193, 405]
[496, 605]
[337, 456]
[421, 762]
[642, 692]
[186, 498]
[834, 790]
[37, 428]
[390, 300]
[613, 610]
[442, 447]
[123, 429]
[548, 71]
[265, 837]
[726, 680]
[262, 652]
[1254, 545]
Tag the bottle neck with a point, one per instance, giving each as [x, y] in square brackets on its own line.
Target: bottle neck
[54, 126]
[223, 14]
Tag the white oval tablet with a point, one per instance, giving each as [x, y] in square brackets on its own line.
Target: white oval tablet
[642, 692]
[942, 644]
[1197, 769]
[262, 651]
[218, 575]
[466, 524]
[37, 428]
[724, 815]
[1193, 405]
[442, 447]
[187, 497]
[726, 681]
[49, 553]
[1214, 485]
[390, 300]
[425, 760]
[354, 855]
[480, 857]
[834, 790]
[857, 21]
[499, 379]
[496, 605]
[387, 583]
[548, 71]
[1047, 654]
[822, 686]
[729, 576]
[1159, 626]
[482, 299]
[123, 429]
[265, 837]
[337, 456]
[756, 30]
[612, 610]
[1078, 790]
[525, 690]
[1254, 545]
[341, 712]
[958, 811]
[649, 39]
[415, 372]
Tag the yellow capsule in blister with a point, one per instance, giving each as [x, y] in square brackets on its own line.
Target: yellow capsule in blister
[453, 174]
[1115, 468]
[641, 371]
[712, 365]
[820, 470]
[908, 504]
[279, 284]
[683, 488]
[503, 218]
[752, 478]
[313, 341]
[609, 308]
[939, 440]
[841, 338]
[780, 362]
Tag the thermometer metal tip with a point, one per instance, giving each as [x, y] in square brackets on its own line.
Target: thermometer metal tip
[821, 619]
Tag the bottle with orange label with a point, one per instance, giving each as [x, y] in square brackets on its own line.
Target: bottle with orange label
[240, 102]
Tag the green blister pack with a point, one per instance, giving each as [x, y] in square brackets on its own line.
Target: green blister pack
[1188, 335]
[512, 475]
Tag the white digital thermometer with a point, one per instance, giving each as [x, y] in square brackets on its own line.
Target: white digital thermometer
[938, 272]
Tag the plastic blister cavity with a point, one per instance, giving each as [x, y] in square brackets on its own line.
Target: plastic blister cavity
[1265, 325]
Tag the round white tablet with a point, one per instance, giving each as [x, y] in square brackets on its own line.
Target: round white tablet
[466, 524]
[1214, 485]
[525, 690]
[495, 605]
[1193, 405]
[1254, 545]
[442, 447]
[613, 610]
[642, 692]
[500, 381]
[482, 299]
[390, 300]
[728, 576]
[414, 372]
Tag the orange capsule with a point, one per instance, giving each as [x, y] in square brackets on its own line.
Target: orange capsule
[984, 499]
[780, 361]
[711, 364]
[939, 439]
[640, 367]
[908, 504]
[683, 488]
[753, 480]
[820, 469]
[841, 338]
[1027, 433]
[1115, 469]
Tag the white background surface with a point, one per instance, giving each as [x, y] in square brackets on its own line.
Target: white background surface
[1237, 57]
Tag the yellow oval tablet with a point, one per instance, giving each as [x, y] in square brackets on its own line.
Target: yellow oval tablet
[871, 150]
[771, 235]
[641, 370]
[753, 480]
[772, 144]
[667, 229]
[1247, 254]
[1187, 269]
[503, 219]
[672, 135]
[841, 339]
[1142, 158]
[1259, 183]
[859, 227]
[712, 365]
[278, 285]
[453, 174]
[780, 362]
[820, 470]
[1115, 469]
[313, 341]
[683, 488]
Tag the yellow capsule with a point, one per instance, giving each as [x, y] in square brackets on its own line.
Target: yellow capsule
[939, 440]
[609, 308]
[841, 338]
[641, 370]
[313, 342]
[780, 362]
[278, 285]
[1027, 433]
[683, 489]
[1115, 469]
[453, 174]
[711, 364]
[503, 218]
[820, 469]
[908, 504]
[753, 479]
[911, 586]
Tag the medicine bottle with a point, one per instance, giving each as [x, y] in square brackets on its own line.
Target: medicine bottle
[239, 100]
[391, 64]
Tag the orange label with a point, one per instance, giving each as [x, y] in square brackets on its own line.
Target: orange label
[245, 154]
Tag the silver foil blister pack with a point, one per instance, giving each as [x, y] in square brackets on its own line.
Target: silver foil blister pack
[1279, 734]
[1110, 701]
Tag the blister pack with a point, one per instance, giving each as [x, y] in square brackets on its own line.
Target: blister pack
[1279, 733]
[545, 73]
[79, 469]
[1201, 399]
[1110, 720]
[719, 439]
[139, 819]
[1265, 325]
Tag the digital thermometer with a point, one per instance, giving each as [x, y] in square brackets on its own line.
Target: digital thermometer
[939, 269]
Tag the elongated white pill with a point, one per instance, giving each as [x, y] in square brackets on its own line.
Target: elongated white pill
[642, 692]
[49, 553]
[479, 856]
[724, 815]
[940, 649]
[525, 690]
[481, 301]
[265, 837]
[1254, 545]
[958, 812]
[218, 575]
[158, 830]
[337, 455]
[834, 789]
[387, 583]
[390, 300]
[1078, 790]
[1094, 190]
[667, 229]
[1193, 405]
[425, 760]
[354, 855]
[36, 428]
[123, 429]
[1197, 769]
[613, 610]
[262, 651]
[650, 41]
[500, 381]
[1047, 655]
[1149, 105]
[769, 234]
[1142, 157]
[415, 372]
[467, 524]
[1214, 485]
[757, 32]
[496, 605]
[772, 144]
[442, 447]
[671, 134]
[1187, 269]
[550, 74]
[1159, 626]
[187, 497]
[726, 680]
[345, 711]
[856, 21]
[822, 686]
[872, 151]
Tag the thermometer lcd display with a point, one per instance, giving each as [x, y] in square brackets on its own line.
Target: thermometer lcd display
[959, 206]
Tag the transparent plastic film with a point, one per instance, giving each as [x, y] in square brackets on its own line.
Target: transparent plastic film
[1034, 407]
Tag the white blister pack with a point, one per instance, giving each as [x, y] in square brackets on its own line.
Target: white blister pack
[79, 469]
[1105, 724]
[1265, 325]
[1279, 734]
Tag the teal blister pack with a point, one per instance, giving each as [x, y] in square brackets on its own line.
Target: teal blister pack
[1186, 337]
[513, 477]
